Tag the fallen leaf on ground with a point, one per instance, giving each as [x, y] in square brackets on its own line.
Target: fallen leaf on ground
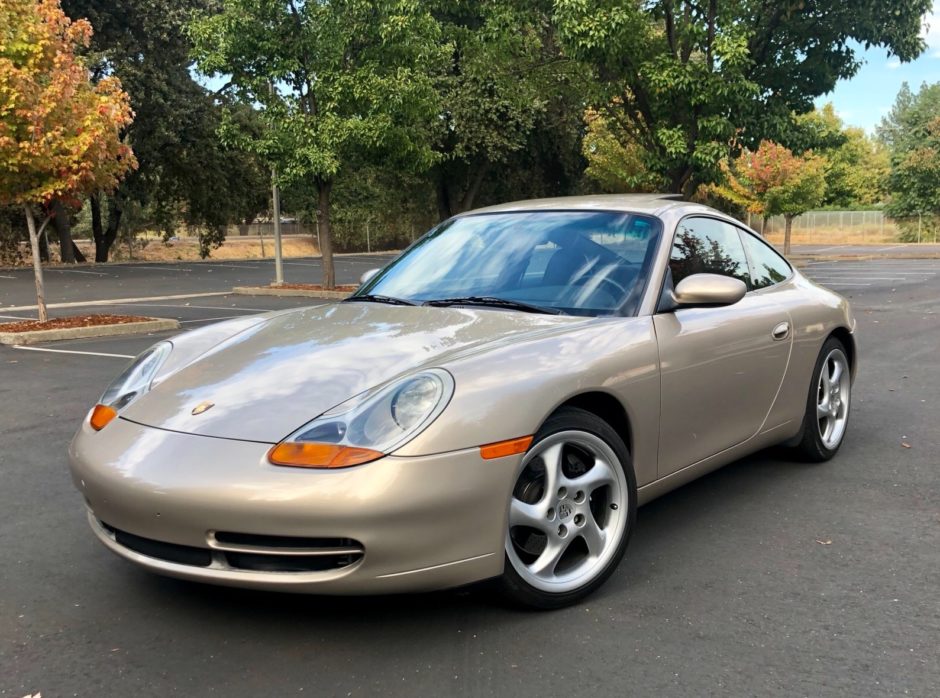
[905, 444]
[827, 541]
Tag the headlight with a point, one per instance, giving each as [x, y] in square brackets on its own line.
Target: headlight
[368, 426]
[133, 382]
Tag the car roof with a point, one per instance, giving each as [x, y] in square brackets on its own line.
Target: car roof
[652, 204]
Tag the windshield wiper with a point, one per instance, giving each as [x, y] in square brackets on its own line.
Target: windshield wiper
[373, 298]
[493, 302]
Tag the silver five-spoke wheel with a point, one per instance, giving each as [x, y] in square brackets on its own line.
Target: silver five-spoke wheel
[832, 398]
[568, 512]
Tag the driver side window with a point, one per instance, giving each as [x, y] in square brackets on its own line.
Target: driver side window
[708, 246]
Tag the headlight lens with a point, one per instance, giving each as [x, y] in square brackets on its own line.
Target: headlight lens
[368, 426]
[133, 382]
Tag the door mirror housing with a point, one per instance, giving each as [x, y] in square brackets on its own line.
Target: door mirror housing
[367, 276]
[706, 290]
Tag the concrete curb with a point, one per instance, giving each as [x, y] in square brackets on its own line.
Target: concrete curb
[274, 291]
[37, 336]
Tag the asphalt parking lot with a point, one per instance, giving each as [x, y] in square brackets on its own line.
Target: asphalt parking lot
[768, 577]
[96, 282]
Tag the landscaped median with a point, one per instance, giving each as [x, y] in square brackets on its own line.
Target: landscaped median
[81, 327]
[308, 290]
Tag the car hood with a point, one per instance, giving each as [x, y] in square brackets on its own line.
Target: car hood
[266, 381]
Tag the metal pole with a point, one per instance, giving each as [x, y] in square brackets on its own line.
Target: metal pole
[278, 261]
[920, 224]
[368, 242]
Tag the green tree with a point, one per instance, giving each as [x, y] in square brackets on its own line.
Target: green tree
[186, 175]
[615, 166]
[691, 81]
[331, 80]
[58, 131]
[504, 76]
[857, 168]
[772, 181]
[911, 132]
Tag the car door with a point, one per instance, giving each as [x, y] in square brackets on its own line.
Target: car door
[721, 367]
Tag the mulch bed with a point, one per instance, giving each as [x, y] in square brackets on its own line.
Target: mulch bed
[61, 323]
[316, 287]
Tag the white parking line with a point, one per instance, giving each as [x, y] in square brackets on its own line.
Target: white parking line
[75, 271]
[232, 266]
[119, 301]
[829, 283]
[210, 319]
[869, 278]
[7, 277]
[73, 351]
[198, 307]
[155, 266]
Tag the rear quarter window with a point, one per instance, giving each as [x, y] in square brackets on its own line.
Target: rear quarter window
[769, 267]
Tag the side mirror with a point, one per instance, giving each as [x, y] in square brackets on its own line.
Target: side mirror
[367, 276]
[708, 289]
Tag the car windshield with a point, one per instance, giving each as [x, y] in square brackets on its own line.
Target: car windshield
[575, 262]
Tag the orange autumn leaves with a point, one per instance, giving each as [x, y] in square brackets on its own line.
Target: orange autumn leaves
[772, 180]
[59, 131]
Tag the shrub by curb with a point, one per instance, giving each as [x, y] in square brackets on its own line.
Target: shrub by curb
[37, 336]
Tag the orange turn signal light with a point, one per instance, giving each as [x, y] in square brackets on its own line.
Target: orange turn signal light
[101, 416]
[510, 447]
[318, 455]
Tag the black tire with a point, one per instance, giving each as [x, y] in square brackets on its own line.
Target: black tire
[811, 446]
[513, 586]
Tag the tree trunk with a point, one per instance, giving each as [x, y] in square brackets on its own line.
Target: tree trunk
[443, 201]
[763, 226]
[97, 231]
[458, 187]
[63, 228]
[104, 238]
[786, 234]
[43, 249]
[37, 264]
[326, 233]
[476, 180]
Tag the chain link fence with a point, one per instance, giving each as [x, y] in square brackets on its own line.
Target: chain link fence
[361, 237]
[851, 228]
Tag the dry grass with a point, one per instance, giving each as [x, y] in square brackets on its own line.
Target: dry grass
[857, 235]
[187, 249]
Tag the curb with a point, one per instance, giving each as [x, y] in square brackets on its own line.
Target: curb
[273, 291]
[37, 336]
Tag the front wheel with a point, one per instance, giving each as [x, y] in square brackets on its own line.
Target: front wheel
[571, 513]
[827, 406]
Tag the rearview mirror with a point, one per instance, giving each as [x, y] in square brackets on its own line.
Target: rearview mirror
[709, 290]
[367, 276]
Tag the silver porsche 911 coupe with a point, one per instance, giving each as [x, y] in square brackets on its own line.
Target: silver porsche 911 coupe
[494, 403]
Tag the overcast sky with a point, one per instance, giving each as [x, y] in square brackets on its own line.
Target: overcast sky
[867, 97]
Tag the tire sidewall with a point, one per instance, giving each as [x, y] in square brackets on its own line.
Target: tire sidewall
[575, 419]
[812, 445]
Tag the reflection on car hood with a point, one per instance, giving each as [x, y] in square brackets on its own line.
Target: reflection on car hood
[272, 378]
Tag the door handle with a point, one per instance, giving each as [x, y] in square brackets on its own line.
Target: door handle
[781, 331]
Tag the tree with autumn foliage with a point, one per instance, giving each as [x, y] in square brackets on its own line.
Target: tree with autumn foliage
[58, 131]
[772, 181]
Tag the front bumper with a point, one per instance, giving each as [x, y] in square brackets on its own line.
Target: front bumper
[418, 523]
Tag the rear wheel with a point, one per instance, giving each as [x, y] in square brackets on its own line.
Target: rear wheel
[827, 406]
[571, 512]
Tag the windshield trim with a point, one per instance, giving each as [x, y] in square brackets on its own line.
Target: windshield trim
[631, 305]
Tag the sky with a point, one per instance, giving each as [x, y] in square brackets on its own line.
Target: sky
[867, 97]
